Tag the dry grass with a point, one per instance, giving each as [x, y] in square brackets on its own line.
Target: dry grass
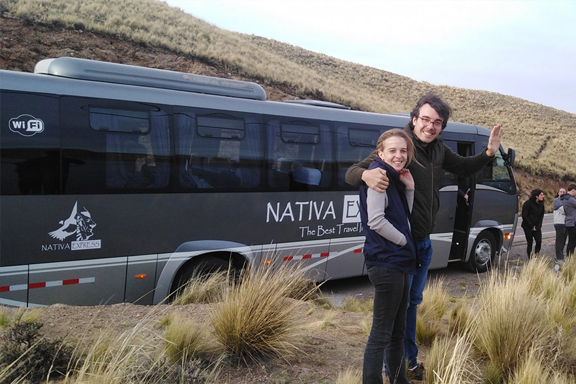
[430, 312]
[519, 329]
[187, 338]
[451, 360]
[353, 304]
[255, 318]
[134, 355]
[204, 289]
[349, 376]
[541, 135]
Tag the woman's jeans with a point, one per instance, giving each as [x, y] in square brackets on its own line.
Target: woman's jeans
[391, 291]
[417, 285]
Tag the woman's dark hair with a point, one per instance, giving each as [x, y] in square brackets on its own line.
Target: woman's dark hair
[437, 103]
[535, 193]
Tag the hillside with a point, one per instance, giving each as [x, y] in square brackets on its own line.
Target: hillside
[152, 34]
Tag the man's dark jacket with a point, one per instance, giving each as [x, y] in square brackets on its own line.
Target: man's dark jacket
[427, 171]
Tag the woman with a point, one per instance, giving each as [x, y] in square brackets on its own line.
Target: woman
[532, 216]
[390, 256]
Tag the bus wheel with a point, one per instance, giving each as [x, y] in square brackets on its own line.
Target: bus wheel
[482, 253]
[202, 268]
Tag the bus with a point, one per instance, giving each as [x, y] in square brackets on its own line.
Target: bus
[119, 182]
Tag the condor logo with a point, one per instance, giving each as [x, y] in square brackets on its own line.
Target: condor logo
[78, 224]
[26, 125]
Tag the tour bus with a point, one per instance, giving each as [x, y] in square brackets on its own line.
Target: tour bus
[119, 182]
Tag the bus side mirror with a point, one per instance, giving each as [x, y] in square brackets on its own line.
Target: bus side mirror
[510, 157]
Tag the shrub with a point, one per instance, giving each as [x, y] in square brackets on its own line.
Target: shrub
[24, 353]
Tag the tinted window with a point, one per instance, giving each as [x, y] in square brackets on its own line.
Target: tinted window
[218, 151]
[114, 150]
[30, 144]
[299, 155]
[496, 174]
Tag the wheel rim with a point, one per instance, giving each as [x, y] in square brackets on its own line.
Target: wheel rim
[483, 252]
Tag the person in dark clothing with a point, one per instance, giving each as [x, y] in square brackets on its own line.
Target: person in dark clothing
[427, 120]
[532, 216]
[569, 204]
[390, 256]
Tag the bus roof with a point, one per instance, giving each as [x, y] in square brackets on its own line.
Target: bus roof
[83, 69]
[90, 78]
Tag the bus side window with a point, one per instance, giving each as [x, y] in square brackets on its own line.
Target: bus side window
[353, 146]
[137, 147]
[300, 155]
[218, 151]
[496, 174]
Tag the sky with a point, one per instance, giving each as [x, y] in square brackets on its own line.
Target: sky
[521, 48]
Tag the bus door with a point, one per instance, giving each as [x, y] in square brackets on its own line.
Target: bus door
[453, 219]
[462, 214]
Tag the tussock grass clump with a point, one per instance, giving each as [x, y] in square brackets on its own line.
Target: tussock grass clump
[114, 361]
[510, 323]
[459, 318]
[349, 376]
[204, 289]
[352, 304]
[451, 361]
[187, 338]
[256, 319]
[325, 321]
[366, 325]
[430, 312]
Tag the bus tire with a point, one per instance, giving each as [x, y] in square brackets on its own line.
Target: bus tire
[204, 267]
[482, 254]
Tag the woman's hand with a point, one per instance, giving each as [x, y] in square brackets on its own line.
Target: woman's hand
[407, 179]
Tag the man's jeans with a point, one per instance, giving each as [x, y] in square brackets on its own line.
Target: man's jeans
[417, 285]
[391, 288]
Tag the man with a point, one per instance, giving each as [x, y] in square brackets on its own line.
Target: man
[427, 120]
[569, 203]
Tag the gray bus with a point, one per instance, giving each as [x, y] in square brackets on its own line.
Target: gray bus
[118, 182]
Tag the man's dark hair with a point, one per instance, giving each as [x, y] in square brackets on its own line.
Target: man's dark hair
[437, 103]
[571, 187]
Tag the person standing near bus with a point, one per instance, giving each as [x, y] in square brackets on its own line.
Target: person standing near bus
[390, 256]
[559, 226]
[532, 217]
[428, 119]
[569, 203]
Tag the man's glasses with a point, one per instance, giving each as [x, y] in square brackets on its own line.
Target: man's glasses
[426, 120]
